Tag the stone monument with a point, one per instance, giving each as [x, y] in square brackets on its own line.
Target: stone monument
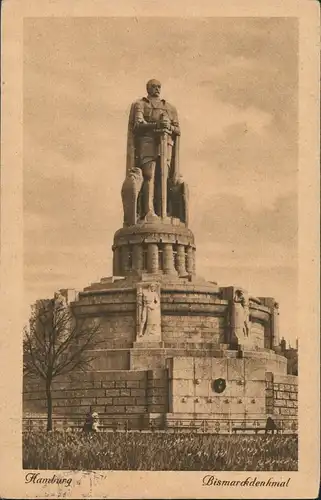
[176, 349]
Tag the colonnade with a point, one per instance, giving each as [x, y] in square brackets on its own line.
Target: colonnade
[168, 258]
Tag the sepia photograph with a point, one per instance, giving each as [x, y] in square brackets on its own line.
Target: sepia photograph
[161, 251]
[179, 195]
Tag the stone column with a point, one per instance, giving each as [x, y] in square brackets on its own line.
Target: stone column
[138, 258]
[168, 257]
[116, 262]
[152, 258]
[190, 261]
[275, 326]
[124, 252]
[180, 264]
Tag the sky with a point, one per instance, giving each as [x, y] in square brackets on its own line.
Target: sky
[234, 82]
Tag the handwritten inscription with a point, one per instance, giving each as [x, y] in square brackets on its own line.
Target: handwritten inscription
[210, 480]
[36, 478]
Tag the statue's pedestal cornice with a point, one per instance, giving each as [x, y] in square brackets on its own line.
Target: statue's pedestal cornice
[154, 231]
[148, 344]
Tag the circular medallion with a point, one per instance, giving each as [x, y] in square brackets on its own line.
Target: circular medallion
[219, 385]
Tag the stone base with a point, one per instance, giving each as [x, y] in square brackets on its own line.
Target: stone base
[179, 397]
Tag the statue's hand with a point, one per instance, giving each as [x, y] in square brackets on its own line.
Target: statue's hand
[177, 179]
[165, 125]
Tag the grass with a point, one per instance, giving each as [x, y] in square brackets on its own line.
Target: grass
[158, 451]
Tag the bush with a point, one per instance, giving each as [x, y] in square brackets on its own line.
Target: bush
[158, 451]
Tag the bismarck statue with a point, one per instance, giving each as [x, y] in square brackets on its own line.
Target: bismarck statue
[153, 187]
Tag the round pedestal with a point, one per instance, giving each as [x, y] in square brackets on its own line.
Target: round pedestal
[154, 248]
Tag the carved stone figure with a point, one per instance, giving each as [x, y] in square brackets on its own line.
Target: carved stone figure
[130, 191]
[152, 148]
[61, 312]
[148, 311]
[60, 300]
[240, 316]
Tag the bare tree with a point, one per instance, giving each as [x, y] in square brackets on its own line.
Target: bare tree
[56, 343]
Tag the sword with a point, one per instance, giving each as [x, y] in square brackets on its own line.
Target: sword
[163, 166]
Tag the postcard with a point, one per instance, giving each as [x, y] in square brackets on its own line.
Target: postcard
[160, 249]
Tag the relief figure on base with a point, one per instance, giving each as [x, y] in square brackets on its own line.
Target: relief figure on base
[148, 311]
[240, 317]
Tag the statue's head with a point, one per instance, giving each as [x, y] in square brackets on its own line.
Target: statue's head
[59, 297]
[153, 88]
[240, 297]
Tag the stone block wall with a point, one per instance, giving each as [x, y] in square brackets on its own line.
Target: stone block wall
[110, 359]
[191, 387]
[125, 395]
[193, 316]
[143, 358]
[116, 312]
[268, 360]
[192, 328]
[155, 358]
[157, 391]
[282, 396]
[189, 313]
[117, 330]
